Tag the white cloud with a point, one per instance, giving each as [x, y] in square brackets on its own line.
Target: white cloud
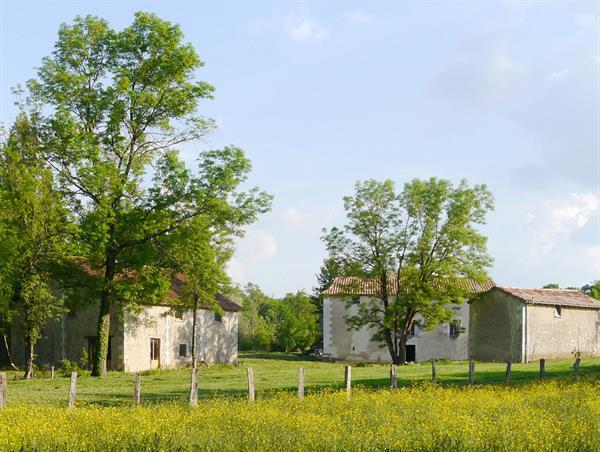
[291, 216]
[236, 270]
[359, 18]
[596, 59]
[258, 245]
[557, 75]
[305, 29]
[556, 221]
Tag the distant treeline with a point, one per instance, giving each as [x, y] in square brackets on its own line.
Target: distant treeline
[285, 324]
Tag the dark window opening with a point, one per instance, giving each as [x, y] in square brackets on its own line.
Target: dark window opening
[557, 311]
[218, 317]
[179, 315]
[182, 350]
[355, 300]
[454, 328]
[411, 353]
[412, 330]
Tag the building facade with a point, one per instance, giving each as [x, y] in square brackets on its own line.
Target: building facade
[522, 325]
[343, 298]
[153, 337]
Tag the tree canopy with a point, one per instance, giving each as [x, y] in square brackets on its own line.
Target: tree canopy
[422, 240]
[117, 104]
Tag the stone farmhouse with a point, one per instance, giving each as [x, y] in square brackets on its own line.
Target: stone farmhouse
[342, 298]
[522, 325]
[498, 324]
[160, 336]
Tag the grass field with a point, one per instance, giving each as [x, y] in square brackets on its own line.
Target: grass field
[273, 373]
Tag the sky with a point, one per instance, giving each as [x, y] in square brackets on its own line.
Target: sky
[323, 94]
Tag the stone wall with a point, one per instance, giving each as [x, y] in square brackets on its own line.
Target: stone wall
[339, 343]
[552, 336]
[496, 327]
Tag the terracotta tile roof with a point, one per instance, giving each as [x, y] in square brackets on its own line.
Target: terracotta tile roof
[554, 297]
[226, 303]
[352, 285]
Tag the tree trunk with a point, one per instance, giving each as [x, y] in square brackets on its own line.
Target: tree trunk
[28, 375]
[402, 350]
[8, 353]
[194, 329]
[103, 328]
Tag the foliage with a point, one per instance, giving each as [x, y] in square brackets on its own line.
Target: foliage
[287, 324]
[118, 103]
[255, 330]
[592, 289]
[34, 232]
[423, 240]
[539, 416]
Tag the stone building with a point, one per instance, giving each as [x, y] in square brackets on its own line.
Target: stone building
[447, 341]
[157, 336]
[521, 325]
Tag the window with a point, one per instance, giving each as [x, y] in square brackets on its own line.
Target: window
[558, 311]
[412, 330]
[455, 328]
[179, 315]
[218, 317]
[182, 350]
[355, 300]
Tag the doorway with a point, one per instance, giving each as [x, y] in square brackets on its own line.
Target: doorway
[91, 352]
[154, 353]
[411, 353]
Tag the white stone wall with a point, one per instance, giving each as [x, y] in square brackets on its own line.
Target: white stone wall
[550, 336]
[216, 341]
[339, 343]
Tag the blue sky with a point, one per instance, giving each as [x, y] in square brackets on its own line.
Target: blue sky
[322, 94]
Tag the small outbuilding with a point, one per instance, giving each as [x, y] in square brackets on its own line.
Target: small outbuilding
[522, 325]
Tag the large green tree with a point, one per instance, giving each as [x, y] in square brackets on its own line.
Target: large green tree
[34, 232]
[417, 245]
[118, 104]
[199, 252]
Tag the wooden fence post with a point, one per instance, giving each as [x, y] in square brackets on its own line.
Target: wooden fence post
[3, 390]
[137, 389]
[301, 383]
[52, 372]
[576, 367]
[250, 374]
[394, 376]
[542, 368]
[433, 371]
[73, 390]
[348, 379]
[508, 371]
[471, 372]
[194, 387]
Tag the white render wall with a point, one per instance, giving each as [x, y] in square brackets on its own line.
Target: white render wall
[216, 341]
[553, 337]
[339, 343]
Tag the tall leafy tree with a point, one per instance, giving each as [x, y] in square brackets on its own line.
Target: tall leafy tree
[417, 245]
[199, 252]
[34, 229]
[118, 103]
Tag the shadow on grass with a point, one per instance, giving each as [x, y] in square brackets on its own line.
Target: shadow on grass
[278, 356]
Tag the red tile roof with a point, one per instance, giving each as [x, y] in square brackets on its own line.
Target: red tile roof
[352, 285]
[226, 303]
[554, 297]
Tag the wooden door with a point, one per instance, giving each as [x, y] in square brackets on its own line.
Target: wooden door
[154, 353]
